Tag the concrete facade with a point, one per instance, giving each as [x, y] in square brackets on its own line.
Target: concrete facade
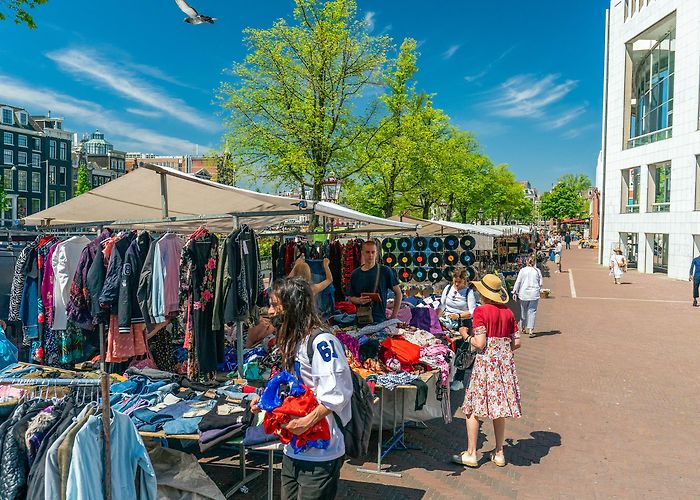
[675, 224]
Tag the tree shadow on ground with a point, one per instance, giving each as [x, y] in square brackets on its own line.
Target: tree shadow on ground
[373, 489]
[526, 452]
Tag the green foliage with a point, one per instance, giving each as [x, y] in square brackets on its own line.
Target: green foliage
[3, 196]
[21, 9]
[83, 182]
[226, 171]
[562, 202]
[265, 247]
[292, 105]
[577, 182]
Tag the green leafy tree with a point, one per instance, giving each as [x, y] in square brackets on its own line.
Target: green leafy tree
[292, 107]
[561, 202]
[20, 9]
[3, 196]
[82, 184]
[577, 182]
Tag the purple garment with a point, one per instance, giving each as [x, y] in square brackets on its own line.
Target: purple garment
[47, 286]
[351, 344]
[170, 246]
[425, 318]
[78, 307]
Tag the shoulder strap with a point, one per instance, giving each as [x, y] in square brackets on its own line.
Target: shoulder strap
[310, 343]
[376, 280]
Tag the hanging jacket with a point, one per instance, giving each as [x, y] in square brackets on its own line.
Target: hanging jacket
[129, 311]
[109, 298]
[64, 261]
[79, 302]
[18, 281]
[93, 284]
[143, 294]
[29, 307]
[233, 260]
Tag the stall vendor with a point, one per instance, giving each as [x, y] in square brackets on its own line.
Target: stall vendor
[364, 279]
[458, 302]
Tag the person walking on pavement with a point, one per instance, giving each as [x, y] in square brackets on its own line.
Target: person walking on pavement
[527, 291]
[618, 264]
[558, 249]
[567, 240]
[494, 392]
[695, 278]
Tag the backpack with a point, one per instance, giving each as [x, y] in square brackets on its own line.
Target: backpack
[357, 432]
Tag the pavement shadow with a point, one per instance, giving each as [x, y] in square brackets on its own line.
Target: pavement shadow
[547, 334]
[373, 489]
[526, 452]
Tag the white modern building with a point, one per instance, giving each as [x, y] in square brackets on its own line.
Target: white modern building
[649, 172]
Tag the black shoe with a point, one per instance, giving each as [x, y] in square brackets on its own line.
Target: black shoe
[695, 303]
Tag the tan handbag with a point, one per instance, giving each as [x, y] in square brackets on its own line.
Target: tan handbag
[364, 312]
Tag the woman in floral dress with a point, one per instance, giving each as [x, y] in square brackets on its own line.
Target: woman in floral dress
[493, 388]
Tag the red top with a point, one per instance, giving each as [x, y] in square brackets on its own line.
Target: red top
[497, 319]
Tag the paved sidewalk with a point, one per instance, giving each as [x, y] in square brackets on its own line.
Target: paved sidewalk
[610, 400]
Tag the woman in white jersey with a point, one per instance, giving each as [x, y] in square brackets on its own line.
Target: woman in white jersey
[313, 473]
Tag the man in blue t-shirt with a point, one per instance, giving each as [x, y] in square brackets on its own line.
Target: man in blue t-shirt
[695, 278]
[363, 278]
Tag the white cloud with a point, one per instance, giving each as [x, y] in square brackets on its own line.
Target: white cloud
[91, 115]
[386, 29]
[144, 112]
[576, 132]
[528, 96]
[369, 20]
[85, 63]
[450, 52]
[565, 118]
[480, 74]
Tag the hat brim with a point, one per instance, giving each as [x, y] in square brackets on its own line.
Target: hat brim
[502, 298]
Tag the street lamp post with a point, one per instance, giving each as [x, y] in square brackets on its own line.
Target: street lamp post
[480, 216]
[330, 191]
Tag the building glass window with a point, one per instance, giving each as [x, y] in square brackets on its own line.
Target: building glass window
[651, 116]
[52, 174]
[52, 198]
[62, 176]
[21, 158]
[8, 157]
[21, 207]
[630, 242]
[8, 138]
[7, 117]
[660, 260]
[8, 179]
[64, 148]
[661, 175]
[22, 141]
[36, 182]
[23, 118]
[36, 160]
[61, 196]
[36, 205]
[52, 150]
[21, 180]
[37, 144]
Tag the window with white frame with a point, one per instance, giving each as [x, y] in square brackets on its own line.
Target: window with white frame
[21, 180]
[22, 141]
[52, 149]
[52, 174]
[36, 205]
[61, 196]
[36, 182]
[62, 176]
[63, 150]
[37, 144]
[21, 207]
[697, 182]
[7, 157]
[7, 116]
[8, 179]
[52, 198]
[23, 118]
[660, 187]
[36, 160]
[8, 138]
[21, 158]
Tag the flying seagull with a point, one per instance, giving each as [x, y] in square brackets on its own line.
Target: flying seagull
[192, 16]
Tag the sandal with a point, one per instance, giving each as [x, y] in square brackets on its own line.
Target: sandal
[464, 459]
[499, 460]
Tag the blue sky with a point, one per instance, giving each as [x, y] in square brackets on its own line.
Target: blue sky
[525, 77]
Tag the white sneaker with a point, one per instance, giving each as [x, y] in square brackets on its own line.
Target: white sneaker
[456, 385]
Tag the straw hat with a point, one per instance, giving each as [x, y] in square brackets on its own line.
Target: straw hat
[490, 286]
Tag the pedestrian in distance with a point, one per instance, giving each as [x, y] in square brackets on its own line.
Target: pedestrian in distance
[567, 240]
[493, 392]
[695, 278]
[527, 291]
[618, 265]
[558, 249]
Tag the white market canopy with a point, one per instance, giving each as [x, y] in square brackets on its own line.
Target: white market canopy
[161, 198]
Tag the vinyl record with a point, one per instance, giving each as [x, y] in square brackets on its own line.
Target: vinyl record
[436, 244]
[435, 259]
[404, 244]
[389, 259]
[471, 273]
[420, 244]
[420, 259]
[451, 242]
[467, 258]
[434, 274]
[405, 275]
[447, 273]
[450, 258]
[389, 245]
[420, 274]
[405, 259]
[467, 242]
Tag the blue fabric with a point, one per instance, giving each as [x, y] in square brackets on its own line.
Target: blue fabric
[182, 425]
[325, 301]
[8, 351]
[695, 267]
[256, 435]
[271, 398]
[29, 308]
[344, 319]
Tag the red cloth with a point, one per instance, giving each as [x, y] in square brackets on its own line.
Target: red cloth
[248, 389]
[346, 307]
[296, 407]
[497, 319]
[406, 352]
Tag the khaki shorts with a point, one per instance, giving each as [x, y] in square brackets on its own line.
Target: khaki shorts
[557, 259]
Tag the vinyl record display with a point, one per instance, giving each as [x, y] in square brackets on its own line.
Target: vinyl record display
[404, 244]
[471, 273]
[405, 275]
[451, 242]
[405, 259]
[434, 274]
[435, 259]
[390, 259]
[467, 242]
[435, 244]
[420, 274]
[420, 244]
[389, 245]
[467, 258]
[420, 259]
[447, 273]
[450, 258]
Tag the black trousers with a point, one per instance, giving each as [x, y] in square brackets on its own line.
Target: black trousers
[305, 480]
[696, 287]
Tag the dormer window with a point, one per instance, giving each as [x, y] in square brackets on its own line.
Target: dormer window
[7, 116]
[23, 118]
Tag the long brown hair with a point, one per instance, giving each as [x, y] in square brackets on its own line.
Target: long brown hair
[299, 317]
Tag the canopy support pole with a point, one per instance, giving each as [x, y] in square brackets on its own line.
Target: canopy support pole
[164, 195]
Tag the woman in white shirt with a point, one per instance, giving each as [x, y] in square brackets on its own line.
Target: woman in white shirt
[458, 301]
[618, 265]
[527, 291]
